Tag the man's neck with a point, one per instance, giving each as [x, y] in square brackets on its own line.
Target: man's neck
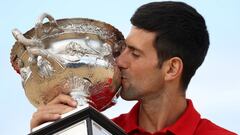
[156, 114]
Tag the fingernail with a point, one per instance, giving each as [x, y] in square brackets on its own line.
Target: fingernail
[56, 116]
[74, 103]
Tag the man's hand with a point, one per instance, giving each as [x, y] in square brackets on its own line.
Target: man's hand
[53, 110]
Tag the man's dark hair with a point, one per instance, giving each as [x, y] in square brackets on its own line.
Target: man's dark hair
[181, 32]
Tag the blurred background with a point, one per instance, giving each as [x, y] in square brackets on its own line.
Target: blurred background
[214, 90]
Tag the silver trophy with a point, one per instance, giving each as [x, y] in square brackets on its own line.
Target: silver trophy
[71, 56]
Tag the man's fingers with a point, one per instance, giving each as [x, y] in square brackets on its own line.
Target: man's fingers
[64, 99]
[55, 108]
[49, 113]
[59, 109]
[40, 118]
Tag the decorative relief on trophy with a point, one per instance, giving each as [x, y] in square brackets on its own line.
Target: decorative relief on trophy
[72, 56]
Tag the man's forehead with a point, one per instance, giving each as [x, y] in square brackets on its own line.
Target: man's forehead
[140, 38]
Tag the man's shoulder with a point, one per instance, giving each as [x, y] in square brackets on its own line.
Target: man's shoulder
[206, 127]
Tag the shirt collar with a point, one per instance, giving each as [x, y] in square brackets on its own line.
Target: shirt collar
[185, 125]
[132, 118]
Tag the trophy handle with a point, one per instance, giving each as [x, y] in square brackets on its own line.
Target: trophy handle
[36, 48]
[39, 30]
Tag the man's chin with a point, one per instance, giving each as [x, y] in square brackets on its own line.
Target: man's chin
[127, 97]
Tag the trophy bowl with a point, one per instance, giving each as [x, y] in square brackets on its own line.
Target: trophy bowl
[74, 56]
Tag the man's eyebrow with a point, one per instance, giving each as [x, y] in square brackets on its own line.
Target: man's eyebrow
[134, 48]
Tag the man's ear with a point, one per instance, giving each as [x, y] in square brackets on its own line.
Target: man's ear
[173, 68]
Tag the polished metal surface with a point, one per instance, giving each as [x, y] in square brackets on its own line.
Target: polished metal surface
[72, 56]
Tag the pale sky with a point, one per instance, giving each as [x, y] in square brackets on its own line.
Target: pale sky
[214, 90]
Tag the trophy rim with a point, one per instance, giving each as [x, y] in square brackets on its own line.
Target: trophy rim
[118, 39]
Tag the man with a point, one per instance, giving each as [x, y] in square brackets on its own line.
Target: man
[167, 43]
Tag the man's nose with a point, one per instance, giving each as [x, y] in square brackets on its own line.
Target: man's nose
[121, 60]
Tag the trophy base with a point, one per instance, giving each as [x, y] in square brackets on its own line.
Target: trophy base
[86, 121]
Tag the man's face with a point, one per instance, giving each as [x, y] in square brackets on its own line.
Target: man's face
[141, 76]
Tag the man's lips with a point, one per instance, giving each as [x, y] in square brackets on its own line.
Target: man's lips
[123, 77]
[123, 80]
